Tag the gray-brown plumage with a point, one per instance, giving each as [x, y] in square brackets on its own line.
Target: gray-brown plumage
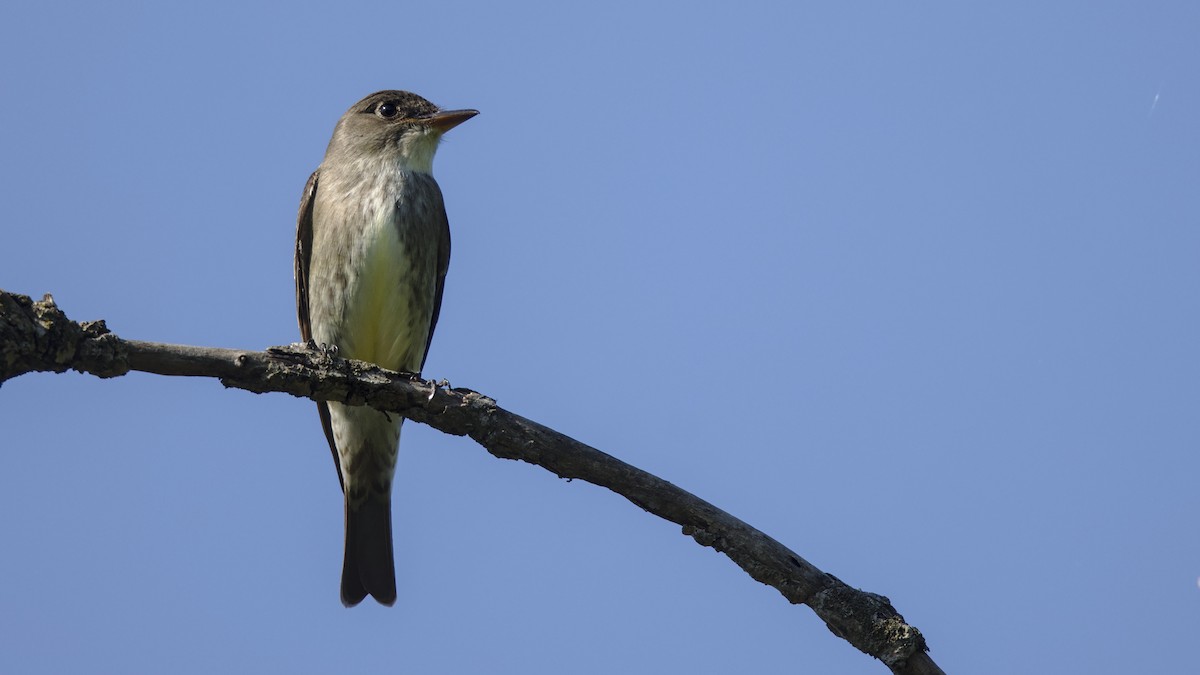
[372, 250]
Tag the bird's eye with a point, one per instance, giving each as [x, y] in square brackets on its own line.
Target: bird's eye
[387, 110]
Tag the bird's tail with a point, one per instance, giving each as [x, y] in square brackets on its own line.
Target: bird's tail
[368, 567]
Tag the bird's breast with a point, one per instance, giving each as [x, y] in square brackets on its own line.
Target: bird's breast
[373, 272]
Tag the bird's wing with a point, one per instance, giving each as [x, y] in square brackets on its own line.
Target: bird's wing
[304, 237]
[442, 226]
[304, 240]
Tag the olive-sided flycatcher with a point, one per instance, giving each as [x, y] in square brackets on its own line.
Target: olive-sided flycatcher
[372, 249]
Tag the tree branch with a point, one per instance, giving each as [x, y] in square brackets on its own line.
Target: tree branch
[37, 336]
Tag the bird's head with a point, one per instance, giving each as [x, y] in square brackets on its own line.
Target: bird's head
[398, 122]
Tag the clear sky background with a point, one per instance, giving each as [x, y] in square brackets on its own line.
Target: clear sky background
[912, 287]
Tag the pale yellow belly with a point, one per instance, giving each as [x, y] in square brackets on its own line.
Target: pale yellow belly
[380, 314]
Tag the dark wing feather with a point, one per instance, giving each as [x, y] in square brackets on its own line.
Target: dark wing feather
[443, 265]
[304, 240]
[304, 236]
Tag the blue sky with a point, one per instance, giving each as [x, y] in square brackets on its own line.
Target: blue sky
[912, 287]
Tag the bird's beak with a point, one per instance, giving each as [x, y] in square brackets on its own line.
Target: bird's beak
[445, 120]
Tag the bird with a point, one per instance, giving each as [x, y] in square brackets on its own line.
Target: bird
[372, 252]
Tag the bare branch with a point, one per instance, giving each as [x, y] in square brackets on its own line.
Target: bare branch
[37, 336]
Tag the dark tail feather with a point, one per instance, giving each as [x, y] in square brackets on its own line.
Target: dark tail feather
[368, 566]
